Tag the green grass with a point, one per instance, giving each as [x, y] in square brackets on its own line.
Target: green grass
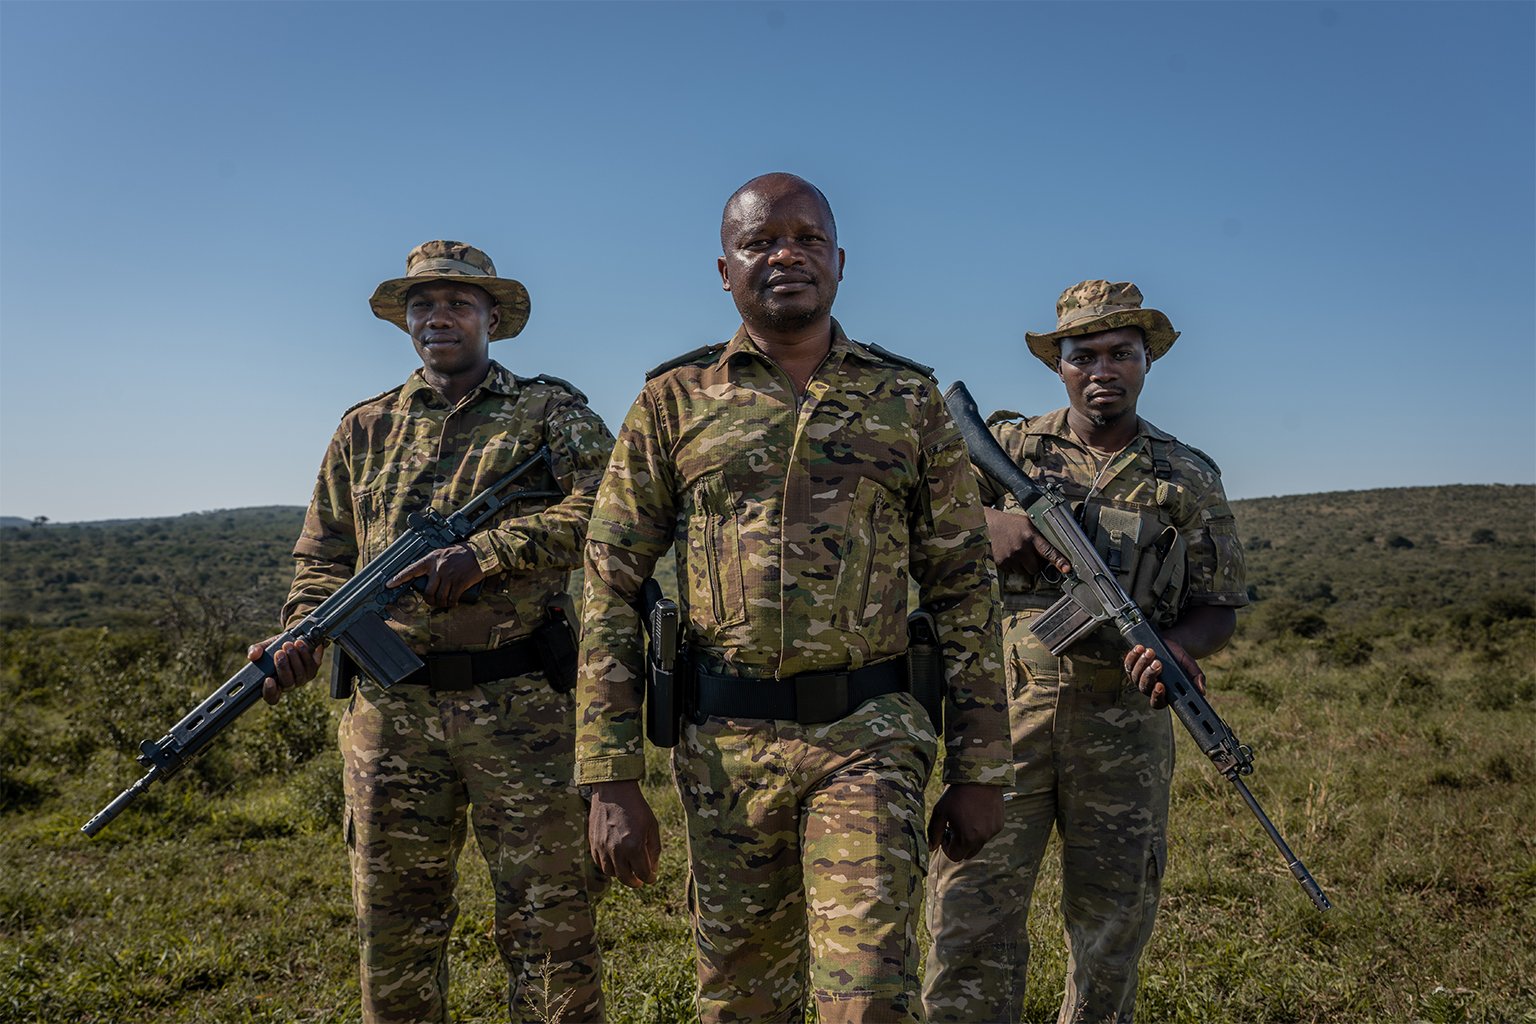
[1395, 739]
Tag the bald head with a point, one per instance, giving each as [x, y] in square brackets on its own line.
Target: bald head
[766, 189]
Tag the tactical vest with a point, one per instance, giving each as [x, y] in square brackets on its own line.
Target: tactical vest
[1138, 541]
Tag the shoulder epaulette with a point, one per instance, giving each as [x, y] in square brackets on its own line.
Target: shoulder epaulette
[1197, 451]
[559, 382]
[887, 354]
[1004, 415]
[369, 401]
[686, 357]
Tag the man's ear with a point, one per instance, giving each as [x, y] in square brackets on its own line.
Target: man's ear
[725, 274]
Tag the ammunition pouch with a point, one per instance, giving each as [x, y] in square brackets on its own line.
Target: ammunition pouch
[1145, 552]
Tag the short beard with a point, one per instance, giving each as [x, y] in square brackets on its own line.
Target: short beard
[1100, 419]
[787, 322]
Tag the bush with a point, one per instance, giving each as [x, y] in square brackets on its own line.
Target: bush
[1347, 650]
[1287, 617]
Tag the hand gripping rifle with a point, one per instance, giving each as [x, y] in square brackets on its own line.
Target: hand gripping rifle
[1093, 596]
[353, 617]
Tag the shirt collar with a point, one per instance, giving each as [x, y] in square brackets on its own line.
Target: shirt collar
[1055, 424]
[741, 343]
[498, 380]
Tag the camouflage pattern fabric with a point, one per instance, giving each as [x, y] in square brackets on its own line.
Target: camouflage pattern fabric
[391, 455]
[414, 761]
[408, 448]
[807, 854]
[795, 520]
[1091, 757]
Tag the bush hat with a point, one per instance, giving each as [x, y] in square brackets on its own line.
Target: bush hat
[442, 260]
[1092, 306]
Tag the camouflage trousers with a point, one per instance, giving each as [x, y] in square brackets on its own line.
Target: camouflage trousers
[414, 761]
[806, 858]
[1094, 761]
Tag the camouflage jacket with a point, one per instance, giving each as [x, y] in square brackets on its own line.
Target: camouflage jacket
[408, 448]
[795, 522]
[1157, 513]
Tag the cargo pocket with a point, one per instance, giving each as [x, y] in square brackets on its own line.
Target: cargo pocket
[716, 595]
[858, 565]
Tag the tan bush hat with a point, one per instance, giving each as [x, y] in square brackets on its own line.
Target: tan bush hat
[1091, 306]
[453, 261]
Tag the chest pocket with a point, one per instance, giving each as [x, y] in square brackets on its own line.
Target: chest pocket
[716, 595]
[872, 570]
[371, 516]
[1146, 553]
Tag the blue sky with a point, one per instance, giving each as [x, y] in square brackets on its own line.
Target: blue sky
[1335, 202]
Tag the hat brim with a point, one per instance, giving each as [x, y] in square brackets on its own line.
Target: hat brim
[1157, 328]
[388, 302]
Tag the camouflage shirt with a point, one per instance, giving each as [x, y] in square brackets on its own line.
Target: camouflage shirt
[408, 448]
[795, 521]
[1157, 512]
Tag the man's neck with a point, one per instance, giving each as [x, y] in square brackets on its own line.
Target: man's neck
[1109, 437]
[798, 352]
[454, 386]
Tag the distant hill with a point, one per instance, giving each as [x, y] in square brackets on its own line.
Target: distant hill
[1353, 554]
[128, 572]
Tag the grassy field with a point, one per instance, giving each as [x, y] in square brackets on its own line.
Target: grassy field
[1388, 688]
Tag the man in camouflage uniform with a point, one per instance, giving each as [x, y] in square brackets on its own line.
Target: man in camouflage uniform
[488, 724]
[800, 475]
[1093, 756]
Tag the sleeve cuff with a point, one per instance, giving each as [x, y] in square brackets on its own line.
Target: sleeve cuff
[485, 554]
[614, 768]
[977, 772]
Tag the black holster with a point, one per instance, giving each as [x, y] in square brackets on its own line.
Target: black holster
[925, 666]
[555, 641]
[668, 669]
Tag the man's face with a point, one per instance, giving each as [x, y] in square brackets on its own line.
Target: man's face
[781, 262]
[450, 325]
[1104, 373]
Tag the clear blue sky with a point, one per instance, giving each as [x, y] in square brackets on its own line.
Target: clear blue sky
[1335, 202]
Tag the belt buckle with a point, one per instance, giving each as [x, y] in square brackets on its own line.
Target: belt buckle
[453, 671]
[820, 697]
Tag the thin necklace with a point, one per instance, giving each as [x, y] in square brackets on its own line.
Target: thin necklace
[1107, 458]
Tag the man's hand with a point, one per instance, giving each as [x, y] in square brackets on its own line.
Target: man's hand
[966, 816]
[296, 661]
[1147, 672]
[623, 834]
[449, 572]
[1018, 547]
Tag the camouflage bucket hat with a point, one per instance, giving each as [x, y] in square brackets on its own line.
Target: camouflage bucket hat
[1092, 306]
[453, 261]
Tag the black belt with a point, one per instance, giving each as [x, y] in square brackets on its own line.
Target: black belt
[809, 698]
[459, 670]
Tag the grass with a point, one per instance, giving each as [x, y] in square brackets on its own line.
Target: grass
[1395, 749]
[1413, 814]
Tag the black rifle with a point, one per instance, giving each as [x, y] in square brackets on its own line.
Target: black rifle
[1093, 596]
[353, 617]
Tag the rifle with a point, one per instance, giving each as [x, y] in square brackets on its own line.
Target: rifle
[353, 617]
[1092, 595]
